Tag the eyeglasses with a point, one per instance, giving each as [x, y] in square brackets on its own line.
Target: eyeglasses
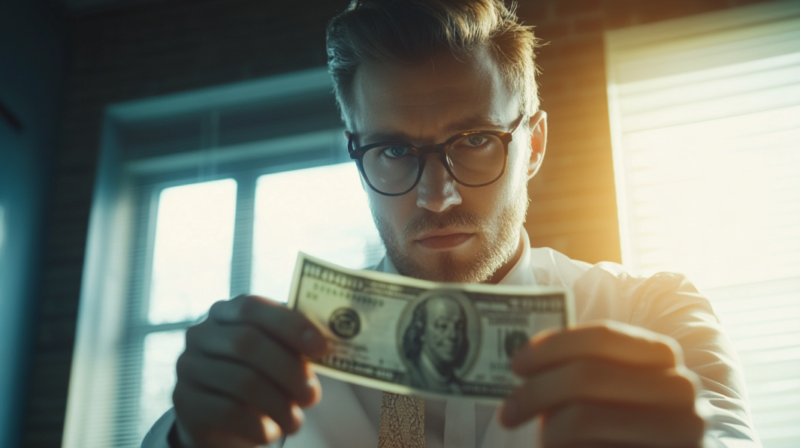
[473, 159]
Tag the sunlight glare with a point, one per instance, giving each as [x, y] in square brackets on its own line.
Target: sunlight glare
[161, 351]
[322, 211]
[193, 248]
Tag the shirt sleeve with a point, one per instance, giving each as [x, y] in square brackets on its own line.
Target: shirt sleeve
[669, 304]
[158, 435]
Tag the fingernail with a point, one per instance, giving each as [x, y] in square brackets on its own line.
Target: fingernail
[312, 341]
[312, 391]
[298, 415]
[272, 429]
[312, 384]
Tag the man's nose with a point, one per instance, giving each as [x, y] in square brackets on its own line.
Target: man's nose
[437, 191]
[450, 333]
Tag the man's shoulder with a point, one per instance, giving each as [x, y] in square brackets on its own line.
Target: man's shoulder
[608, 290]
[552, 267]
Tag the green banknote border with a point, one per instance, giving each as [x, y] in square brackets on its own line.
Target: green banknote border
[569, 315]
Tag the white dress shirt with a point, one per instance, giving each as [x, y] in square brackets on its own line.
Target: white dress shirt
[348, 416]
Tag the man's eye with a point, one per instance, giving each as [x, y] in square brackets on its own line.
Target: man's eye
[476, 140]
[394, 152]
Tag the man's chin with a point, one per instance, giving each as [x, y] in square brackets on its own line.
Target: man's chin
[451, 266]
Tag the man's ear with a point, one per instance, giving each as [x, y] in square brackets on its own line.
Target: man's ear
[538, 126]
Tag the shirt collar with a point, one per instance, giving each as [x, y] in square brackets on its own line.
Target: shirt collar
[521, 274]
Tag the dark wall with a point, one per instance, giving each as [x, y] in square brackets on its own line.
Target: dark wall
[172, 46]
[127, 54]
[32, 60]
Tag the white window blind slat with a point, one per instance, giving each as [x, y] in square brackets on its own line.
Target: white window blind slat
[705, 116]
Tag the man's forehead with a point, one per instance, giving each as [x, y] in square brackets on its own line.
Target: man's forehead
[452, 126]
[443, 303]
[441, 94]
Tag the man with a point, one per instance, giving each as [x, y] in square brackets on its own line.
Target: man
[435, 343]
[431, 86]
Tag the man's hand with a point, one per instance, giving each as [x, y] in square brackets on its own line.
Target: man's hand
[606, 384]
[241, 379]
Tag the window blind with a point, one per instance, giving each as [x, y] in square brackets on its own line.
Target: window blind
[705, 118]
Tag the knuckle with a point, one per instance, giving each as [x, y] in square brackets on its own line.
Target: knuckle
[583, 373]
[179, 398]
[663, 346]
[697, 425]
[192, 336]
[603, 333]
[246, 305]
[684, 388]
[251, 383]
[229, 411]
[579, 417]
[244, 341]
[182, 367]
[218, 308]
[670, 349]
[281, 414]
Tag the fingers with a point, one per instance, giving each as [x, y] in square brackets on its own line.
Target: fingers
[608, 384]
[242, 379]
[289, 327]
[244, 386]
[582, 424]
[611, 341]
[222, 423]
[593, 380]
[248, 346]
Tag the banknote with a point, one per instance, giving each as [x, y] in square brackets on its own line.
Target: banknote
[409, 336]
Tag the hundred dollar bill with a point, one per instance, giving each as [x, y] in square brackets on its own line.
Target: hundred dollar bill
[410, 336]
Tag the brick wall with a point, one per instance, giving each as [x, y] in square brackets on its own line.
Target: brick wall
[573, 206]
[160, 48]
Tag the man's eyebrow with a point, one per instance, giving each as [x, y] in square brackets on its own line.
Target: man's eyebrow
[387, 137]
[473, 123]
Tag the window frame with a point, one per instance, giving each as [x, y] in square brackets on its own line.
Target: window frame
[112, 321]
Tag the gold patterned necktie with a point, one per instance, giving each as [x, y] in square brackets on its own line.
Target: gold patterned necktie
[402, 421]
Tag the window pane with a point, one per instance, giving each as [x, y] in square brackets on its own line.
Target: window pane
[2, 227]
[193, 246]
[321, 211]
[707, 163]
[161, 351]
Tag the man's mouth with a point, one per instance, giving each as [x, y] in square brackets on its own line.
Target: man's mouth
[443, 239]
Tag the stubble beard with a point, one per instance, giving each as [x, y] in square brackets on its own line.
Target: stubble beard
[499, 241]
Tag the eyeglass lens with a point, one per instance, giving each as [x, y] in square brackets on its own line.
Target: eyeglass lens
[473, 159]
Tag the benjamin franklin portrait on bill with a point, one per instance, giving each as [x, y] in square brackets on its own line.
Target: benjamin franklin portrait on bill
[435, 343]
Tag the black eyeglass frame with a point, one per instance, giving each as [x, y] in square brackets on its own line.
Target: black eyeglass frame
[357, 154]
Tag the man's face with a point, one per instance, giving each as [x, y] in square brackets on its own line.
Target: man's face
[442, 230]
[444, 332]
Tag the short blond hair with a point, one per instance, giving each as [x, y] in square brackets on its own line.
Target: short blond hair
[410, 30]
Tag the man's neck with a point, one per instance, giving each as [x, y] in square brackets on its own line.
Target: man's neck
[507, 266]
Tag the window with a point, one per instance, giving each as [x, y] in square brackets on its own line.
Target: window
[706, 122]
[201, 197]
[2, 227]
